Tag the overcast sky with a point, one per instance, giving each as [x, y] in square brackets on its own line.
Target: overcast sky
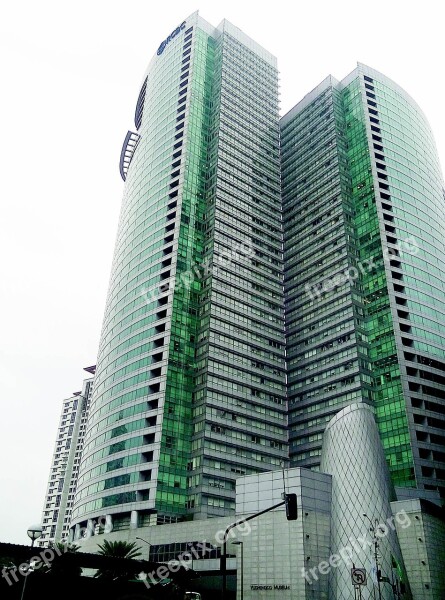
[70, 77]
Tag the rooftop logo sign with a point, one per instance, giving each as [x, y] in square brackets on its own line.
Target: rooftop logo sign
[173, 34]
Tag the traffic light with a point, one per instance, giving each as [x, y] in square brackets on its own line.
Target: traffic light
[291, 507]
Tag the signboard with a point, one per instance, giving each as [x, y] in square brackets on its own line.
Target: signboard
[358, 576]
[173, 34]
[277, 586]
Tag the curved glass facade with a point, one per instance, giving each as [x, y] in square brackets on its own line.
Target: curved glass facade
[143, 388]
[190, 381]
[411, 207]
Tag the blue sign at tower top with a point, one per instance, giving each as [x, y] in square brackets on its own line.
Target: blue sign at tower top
[173, 34]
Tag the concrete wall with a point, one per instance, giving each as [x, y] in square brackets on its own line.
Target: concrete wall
[277, 552]
[423, 548]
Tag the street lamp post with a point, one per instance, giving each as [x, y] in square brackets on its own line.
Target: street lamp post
[240, 544]
[33, 532]
[148, 544]
[149, 547]
[373, 528]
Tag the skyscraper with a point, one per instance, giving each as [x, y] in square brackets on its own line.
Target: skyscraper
[363, 201]
[198, 379]
[190, 384]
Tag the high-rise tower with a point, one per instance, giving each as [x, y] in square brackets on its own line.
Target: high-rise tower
[364, 206]
[190, 387]
[190, 382]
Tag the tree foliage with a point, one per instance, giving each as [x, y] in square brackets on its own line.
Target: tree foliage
[59, 567]
[118, 549]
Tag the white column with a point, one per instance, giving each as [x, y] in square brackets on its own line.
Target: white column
[90, 528]
[108, 524]
[134, 519]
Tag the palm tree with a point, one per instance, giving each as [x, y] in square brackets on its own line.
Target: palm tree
[64, 547]
[126, 550]
[9, 562]
[59, 567]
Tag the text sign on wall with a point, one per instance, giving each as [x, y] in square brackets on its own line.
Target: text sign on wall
[173, 34]
[276, 586]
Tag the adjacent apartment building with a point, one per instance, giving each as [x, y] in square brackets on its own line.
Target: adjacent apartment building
[64, 469]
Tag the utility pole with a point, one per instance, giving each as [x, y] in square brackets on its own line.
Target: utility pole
[373, 528]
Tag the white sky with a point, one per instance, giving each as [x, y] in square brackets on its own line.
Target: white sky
[70, 77]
